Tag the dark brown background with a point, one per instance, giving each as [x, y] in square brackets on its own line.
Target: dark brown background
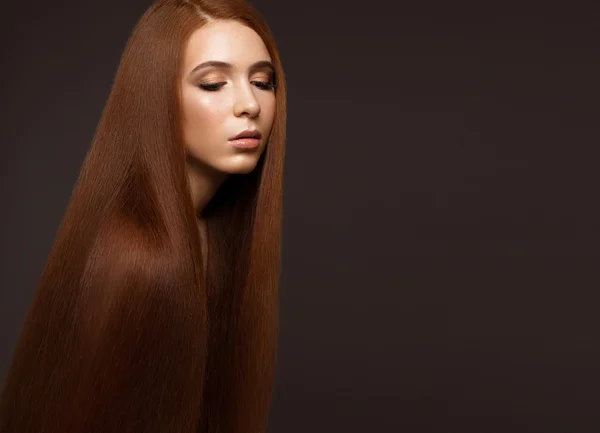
[441, 219]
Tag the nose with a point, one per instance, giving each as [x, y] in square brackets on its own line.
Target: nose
[245, 102]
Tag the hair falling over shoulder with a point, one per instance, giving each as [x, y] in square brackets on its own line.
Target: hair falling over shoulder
[125, 332]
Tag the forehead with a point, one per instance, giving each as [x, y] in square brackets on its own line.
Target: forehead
[227, 41]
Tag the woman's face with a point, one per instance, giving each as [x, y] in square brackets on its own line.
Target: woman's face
[220, 101]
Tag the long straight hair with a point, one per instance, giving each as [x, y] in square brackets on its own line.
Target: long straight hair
[125, 331]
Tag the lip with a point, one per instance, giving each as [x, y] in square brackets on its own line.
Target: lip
[245, 143]
[248, 133]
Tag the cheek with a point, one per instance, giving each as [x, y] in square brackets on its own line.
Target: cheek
[269, 112]
[202, 117]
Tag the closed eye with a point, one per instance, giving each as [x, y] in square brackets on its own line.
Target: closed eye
[265, 86]
[268, 86]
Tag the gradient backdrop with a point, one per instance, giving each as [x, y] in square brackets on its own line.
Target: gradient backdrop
[441, 217]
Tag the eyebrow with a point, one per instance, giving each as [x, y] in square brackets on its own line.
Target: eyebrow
[224, 65]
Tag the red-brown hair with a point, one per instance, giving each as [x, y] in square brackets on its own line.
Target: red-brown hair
[125, 333]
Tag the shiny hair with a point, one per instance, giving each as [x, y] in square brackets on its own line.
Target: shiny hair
[125, 332]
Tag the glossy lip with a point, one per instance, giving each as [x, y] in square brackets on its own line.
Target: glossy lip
[247, 133]
[245, 143]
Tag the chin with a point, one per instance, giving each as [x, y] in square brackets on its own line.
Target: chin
[240, 166]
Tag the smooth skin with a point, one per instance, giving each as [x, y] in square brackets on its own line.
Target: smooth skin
[219, 102]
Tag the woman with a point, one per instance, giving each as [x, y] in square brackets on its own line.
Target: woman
[157, 308]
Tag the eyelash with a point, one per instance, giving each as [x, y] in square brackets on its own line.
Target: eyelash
[217, 86]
